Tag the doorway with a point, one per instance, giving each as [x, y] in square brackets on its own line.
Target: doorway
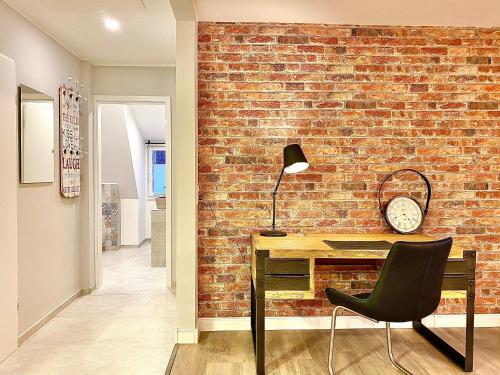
[132, 194]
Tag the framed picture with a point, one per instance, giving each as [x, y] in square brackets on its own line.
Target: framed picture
[70, 154]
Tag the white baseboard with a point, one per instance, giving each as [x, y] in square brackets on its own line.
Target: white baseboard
[458, 320]
[343, 322]
[35, 327]
[186, 336]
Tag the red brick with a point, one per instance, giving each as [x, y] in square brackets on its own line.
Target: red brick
[478, 60]
[419, 88]
[310, 49]
[260, 39]
[435, 50]
[483, 105]
[360, 105]
[229, 57]
[476, 186]
[294, 86]
[293, 39]
[330, 105]
[366, 31]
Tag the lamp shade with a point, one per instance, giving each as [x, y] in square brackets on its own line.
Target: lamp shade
[294, 160]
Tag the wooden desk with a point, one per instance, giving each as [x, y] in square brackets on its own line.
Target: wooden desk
[283, 268]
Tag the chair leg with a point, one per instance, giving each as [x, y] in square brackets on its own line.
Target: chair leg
[332, 339]
[389, 351]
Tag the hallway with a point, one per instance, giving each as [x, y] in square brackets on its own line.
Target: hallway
[125, 327]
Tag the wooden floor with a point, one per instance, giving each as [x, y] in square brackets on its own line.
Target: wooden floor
[357, 352]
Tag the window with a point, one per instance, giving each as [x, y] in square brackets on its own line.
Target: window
[157, 170]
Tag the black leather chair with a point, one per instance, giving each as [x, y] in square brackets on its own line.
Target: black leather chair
[408, 289]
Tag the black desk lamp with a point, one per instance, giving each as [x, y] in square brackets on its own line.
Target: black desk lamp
[294, 161]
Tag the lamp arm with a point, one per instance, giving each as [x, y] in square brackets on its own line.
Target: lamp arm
[278, 183]
[275, 192]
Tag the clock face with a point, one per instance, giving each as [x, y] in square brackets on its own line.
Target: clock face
[403, 214]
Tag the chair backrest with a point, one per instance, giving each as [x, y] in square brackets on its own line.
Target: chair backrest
[409, 286]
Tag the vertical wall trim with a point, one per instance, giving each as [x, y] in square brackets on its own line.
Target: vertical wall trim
[8, 212]
[185, 155]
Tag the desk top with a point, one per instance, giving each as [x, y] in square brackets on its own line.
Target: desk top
[312, 245]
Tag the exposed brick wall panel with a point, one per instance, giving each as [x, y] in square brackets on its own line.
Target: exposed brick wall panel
[362, 102]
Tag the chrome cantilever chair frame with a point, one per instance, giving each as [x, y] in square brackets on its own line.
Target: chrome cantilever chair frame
[388, 336]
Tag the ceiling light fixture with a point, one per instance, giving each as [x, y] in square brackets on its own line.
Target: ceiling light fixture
[111, 24]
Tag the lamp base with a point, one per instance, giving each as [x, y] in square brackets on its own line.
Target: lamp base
[272, 233]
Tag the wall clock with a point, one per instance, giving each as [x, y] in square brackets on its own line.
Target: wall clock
[404, 214]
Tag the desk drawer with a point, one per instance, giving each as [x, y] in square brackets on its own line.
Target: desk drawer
[285, 266]
[455, 282]
[456, 267]
[287, 282]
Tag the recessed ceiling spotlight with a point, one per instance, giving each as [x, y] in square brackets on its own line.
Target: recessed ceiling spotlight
[111, 24]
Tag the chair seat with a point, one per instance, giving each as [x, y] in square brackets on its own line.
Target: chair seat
[356, 303]
[364, 305]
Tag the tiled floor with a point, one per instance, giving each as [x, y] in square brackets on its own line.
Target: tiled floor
[126, 327]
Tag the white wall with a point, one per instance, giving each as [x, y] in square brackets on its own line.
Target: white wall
[135, 81]
[8, 211]
[48, 225]
[138, 153]
[185, 192]
[87, 238]
[353, 12]
[130, 222]
[117, 166]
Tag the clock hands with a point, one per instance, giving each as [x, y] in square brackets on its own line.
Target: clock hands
[407, 218]
[403, 214]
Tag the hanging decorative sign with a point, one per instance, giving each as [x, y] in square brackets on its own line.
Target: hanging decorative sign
[70, 153]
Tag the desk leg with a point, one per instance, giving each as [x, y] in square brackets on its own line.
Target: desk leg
[466, 362]
[471, 295]
[259, 312]
[252, 311]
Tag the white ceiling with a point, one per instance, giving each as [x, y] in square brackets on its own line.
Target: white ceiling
[358, 12]
[147, 34]
[150, 119]
[146, 37]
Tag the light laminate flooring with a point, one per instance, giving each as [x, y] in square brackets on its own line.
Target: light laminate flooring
[358, 352]
[126, 327]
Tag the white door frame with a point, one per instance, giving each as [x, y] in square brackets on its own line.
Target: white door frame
[97, 178]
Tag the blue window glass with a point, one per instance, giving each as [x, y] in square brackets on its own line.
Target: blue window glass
[159, 172]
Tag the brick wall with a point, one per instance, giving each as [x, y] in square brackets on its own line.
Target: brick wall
[362, 101]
